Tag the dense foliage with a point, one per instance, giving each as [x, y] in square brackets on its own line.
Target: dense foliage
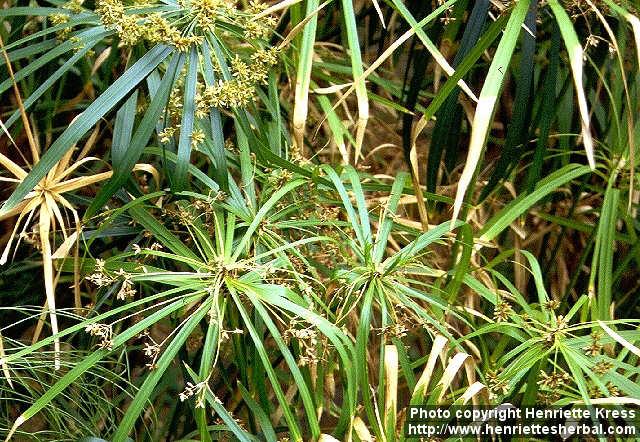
[235, 220]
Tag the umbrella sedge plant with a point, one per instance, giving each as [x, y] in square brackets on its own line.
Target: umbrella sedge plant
[292, 219]
[549, 358]
[241, 280]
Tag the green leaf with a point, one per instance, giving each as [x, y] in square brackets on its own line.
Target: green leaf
[160, 232]
[268, 205]
[388, 214]
[166, 357]
[89, 37]
[523, 202]
[263, 419]
[122, 131]
[35, 95]
[133, 150]
[187, 123]
[603, 256]
[289, 415]
[93, 359]
[217, 149]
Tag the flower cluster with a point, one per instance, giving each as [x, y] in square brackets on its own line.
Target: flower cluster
[554, 380]
[198, 390]
[153, 247]
[238, 91]
[595, 391]
[73, 7]
[126, 289]
[258, 29]
[502, 311]
[308, 340]
[205, 13]
[594, 347]
[496, 385]
[554, 334]
[60, 19]
[101, 278]
[602, 367]
[132, 28]
[189, 25]
[103, 332]
[184, 27]
[552, 304]
[225, 335]
[550, 386]
[395, 330]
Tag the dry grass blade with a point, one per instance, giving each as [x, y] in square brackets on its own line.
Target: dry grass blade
[635, 26]
[327, 438]
[450, 372]
[44, 228]
[619, 339]
[363, 118]
[388, 53]
[300, 26]
[40, 324]
[415, 175]
[432, 48]
[303, 77]
[27, 209]
[5, 366]
[438, 346]
[357, 69]
[46, 203]
[35, 154]
[361, 430]
[472, 392]
[487, 102]
[576, 54]
[277, 7]
[6, 132]
[376, 5]
[12, 167]
[391, 386]
[77, 183]
[611, 401]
